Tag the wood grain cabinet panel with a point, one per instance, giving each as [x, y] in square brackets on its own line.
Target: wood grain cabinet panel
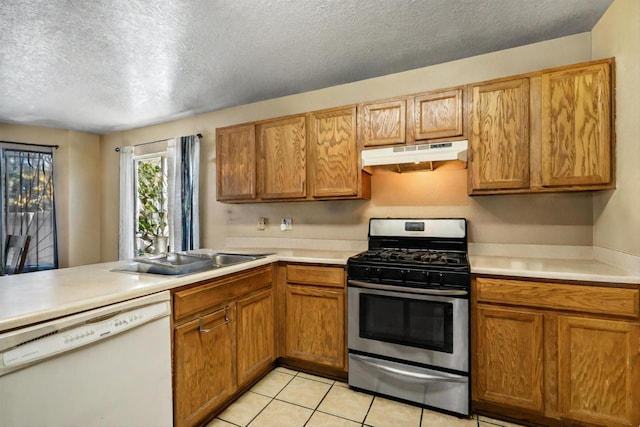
[499, 136]
[438, 114]
[282, 146]
[559, 296]
[545, 131]
[223, 338]
[334, 153]
[236, 163]
[204, 368]
[332, 277]
[384, 123]
[510, 353]
[315, 325]
[598, 370]
[314, 315]
[256, 341]
[570, 357]
[576, 126]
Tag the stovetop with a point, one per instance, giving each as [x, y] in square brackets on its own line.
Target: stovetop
[424, 253]
[416, 258]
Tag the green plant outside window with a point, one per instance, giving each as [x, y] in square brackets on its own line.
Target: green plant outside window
[152, 228]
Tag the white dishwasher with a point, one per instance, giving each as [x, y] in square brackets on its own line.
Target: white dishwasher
[106, 367]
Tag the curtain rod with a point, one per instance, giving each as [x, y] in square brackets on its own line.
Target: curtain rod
[32, 145]
[199, 135]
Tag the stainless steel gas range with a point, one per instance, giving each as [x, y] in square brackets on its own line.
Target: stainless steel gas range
[408, 318]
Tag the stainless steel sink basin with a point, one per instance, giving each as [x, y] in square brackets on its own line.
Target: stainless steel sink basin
[178, 263]
[223, 259]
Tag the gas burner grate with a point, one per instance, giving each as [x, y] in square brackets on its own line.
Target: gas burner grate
[416, 256]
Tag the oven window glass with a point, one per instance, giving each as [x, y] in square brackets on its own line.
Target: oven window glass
[406, 321]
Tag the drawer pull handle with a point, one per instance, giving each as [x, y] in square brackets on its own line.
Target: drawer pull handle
[226, 320]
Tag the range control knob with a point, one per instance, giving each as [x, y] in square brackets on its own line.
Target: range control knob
[425, 277]
[441, 278]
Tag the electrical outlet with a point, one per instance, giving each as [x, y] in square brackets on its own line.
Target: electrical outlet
[287, 224]
[262, 223]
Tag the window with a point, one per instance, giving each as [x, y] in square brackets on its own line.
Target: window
[159, 197]
[152, 219]
[28, 208]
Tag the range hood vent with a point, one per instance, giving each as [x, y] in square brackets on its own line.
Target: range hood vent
[409, 158]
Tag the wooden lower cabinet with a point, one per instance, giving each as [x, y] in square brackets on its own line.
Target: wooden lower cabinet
[598, 370]
[315, 325]
[509, 357]
[223, 339]
[256, 343]
[204, 368]
[578, 364]
[314, 315]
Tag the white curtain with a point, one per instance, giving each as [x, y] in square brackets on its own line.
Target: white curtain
[126, 231]
[183, 162]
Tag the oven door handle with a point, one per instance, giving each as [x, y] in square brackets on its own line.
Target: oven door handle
[443, 377]
[438, 292]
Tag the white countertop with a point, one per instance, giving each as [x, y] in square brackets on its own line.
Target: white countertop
[34, 297]
[587, 270]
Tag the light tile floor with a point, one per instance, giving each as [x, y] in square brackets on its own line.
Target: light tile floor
[286, 398]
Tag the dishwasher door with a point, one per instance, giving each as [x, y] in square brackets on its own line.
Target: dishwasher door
[105, 367]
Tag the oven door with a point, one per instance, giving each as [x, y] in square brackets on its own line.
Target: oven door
[410, 324]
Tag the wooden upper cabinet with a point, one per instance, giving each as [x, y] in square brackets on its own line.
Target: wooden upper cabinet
[236, 163]
[576, 126]
[384, 123]
[334, 153]
[499, 136]
[599, 371]
[283, 158]
[438, 114]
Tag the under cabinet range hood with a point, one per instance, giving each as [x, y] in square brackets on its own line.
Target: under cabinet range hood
[419, 157]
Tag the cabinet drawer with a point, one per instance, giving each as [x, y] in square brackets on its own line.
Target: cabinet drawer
[586, 299]
[332, 277]
[198, 299]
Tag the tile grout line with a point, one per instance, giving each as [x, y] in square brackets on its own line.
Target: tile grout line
[270, 397]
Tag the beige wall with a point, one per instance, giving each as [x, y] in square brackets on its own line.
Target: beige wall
[77, 188]
[617, 213]
[563, 219]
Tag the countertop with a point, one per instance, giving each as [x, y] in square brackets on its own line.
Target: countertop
[35, 297]
[587, 270]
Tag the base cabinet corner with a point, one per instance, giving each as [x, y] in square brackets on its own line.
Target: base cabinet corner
[556, 354]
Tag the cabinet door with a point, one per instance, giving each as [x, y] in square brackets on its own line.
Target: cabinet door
[384, 123]
[332, 137]
[499, 137]
[598, 371]
[509, 352]
[236, 163]
[204, 374]
[438, 114]
[315, 325]
[282, 145]
[576, 126]
[256, 344]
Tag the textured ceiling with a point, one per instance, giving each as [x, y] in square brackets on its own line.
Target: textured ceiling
[102, 66]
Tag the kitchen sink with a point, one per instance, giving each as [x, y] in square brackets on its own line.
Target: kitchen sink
[179, 263]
